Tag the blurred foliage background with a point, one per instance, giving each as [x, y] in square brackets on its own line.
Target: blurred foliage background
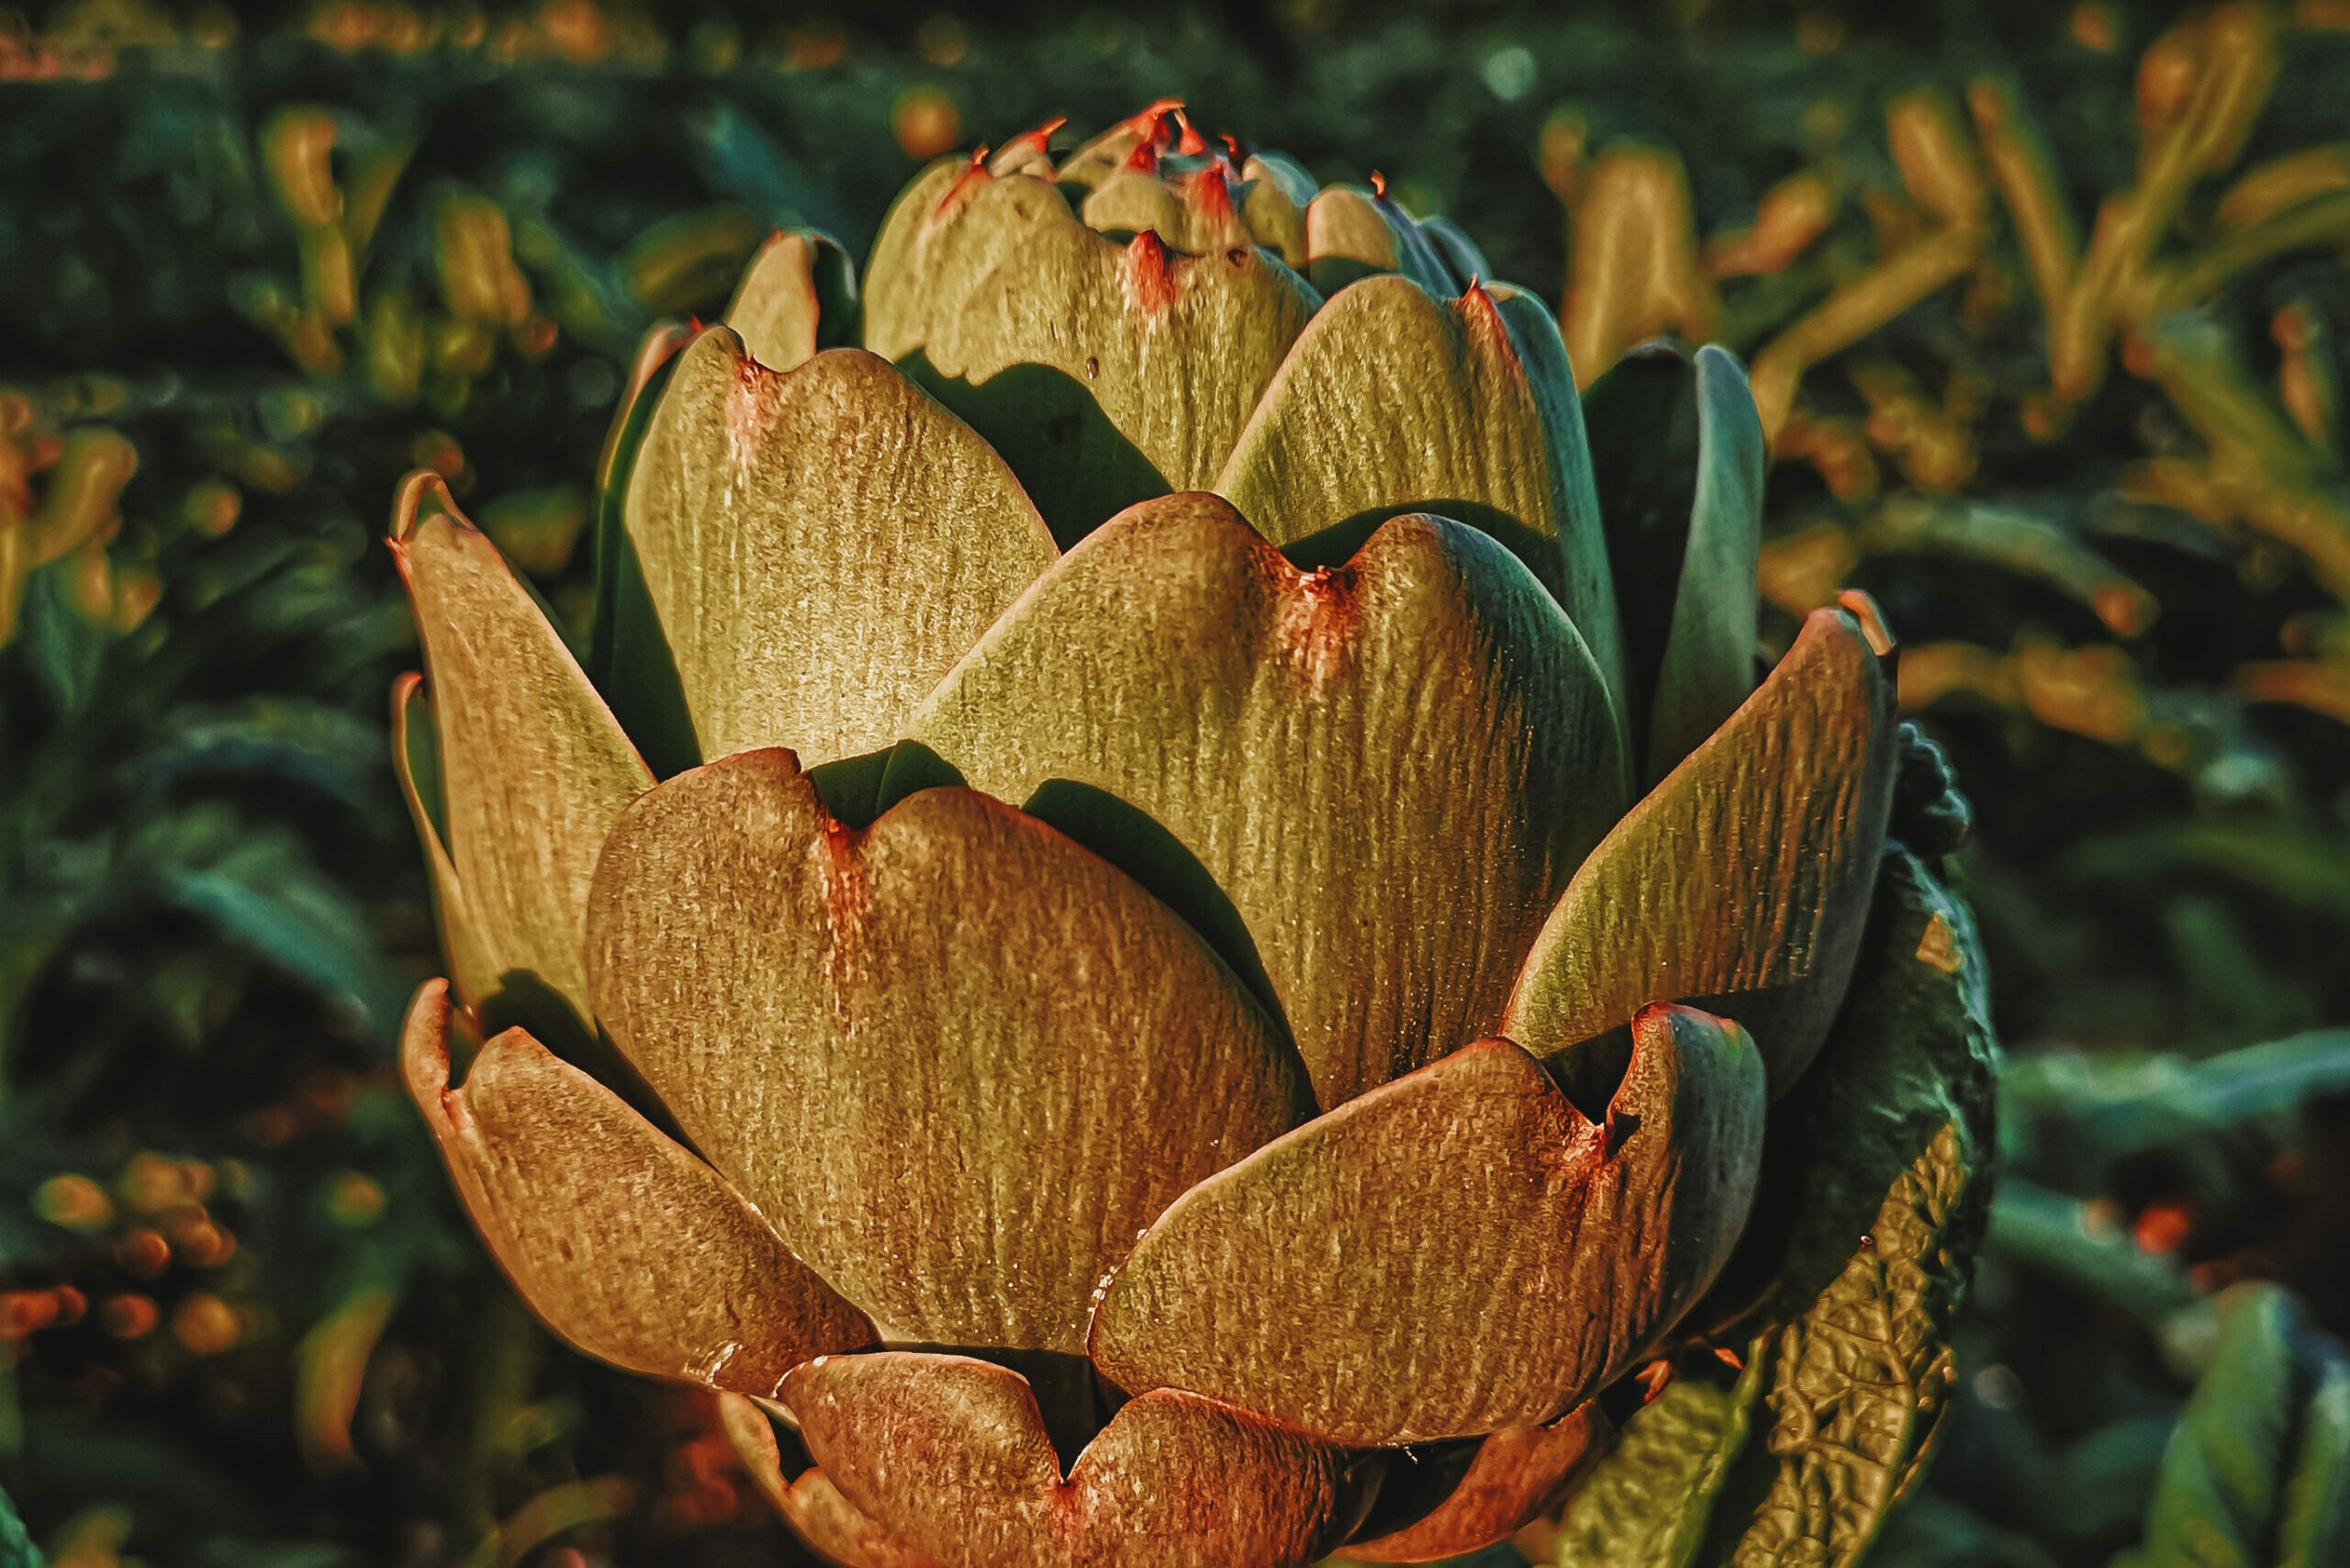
[2044, 304]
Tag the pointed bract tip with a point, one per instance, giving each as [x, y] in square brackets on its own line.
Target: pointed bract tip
[1150, 281]
[975, 174]
[424, 1050]
[423, 494]
[1481, 315]
[1863, 607]
[1208, 193]
[1029, 148]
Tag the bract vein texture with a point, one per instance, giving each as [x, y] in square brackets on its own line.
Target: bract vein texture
[1171, 924]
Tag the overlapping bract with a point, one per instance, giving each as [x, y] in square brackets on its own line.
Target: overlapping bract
[1162, 902]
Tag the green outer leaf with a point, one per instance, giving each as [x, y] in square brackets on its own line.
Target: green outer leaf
[1641, 422]
[1060, 347]
[1194, 217]
[2223, 1475]
[814, 1002]
[1462, 259]
[1861, 1381]
[1504, 1257]
[900, 268]
[534, 768]
[1888, 1133]
[1648, 1504]
[1910, 1054]
[1273, 218]
[1122, 327]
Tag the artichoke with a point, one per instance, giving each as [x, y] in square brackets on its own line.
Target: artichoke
[1154, 927]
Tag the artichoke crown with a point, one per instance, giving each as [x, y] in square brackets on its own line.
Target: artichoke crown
[1138, 830]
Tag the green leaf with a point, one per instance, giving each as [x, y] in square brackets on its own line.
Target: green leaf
[685, 260]
[234, 1551]
[2049, 1231]
[2017, 540]
[300, 919]
[328, 749]
[1648, 1503]
[30, 937]
[64, 646]
[2308, 871]
[1884, 1140]
[737, 157]
[16, 1549]
[1861, 1381]
[2229, 1477]
[2126, 1104]
[175, 1488]
[2316, 1528]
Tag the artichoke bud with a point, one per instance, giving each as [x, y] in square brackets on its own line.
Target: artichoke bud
[1148, 860]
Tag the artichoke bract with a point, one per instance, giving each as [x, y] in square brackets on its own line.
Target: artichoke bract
[1169, 922]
